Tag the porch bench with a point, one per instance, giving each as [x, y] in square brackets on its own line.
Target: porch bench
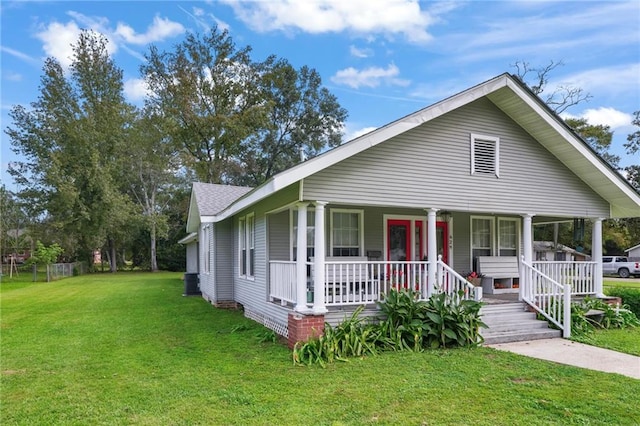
[501, 274]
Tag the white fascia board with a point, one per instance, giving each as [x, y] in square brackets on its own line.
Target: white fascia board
[189, 238]
[632, 248]
[355, 146]
[577, 144]
[193, 216]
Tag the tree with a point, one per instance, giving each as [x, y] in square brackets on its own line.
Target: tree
[72, 137]
[208, 92]
[149, 173]
[633, 139]
[598, 136]
[562, 97]
[303, 116]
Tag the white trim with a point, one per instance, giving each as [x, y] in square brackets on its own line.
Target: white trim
[473, 138]
[360, 213]
[492, 236]
[518, 224]
[293, 239]
[244, 240]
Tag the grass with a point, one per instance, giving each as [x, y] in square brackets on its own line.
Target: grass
[625, 340]
[613, 282]
[129, 349]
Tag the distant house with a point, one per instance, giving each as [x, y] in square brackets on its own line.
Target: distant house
[413, 204]
[633, 253]
[548, 251]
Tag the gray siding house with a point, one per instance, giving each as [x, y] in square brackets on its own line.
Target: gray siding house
[418, 203]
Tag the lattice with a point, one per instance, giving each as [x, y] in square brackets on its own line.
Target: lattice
[270, 323]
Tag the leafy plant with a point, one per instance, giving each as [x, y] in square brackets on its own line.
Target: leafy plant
[630, 297]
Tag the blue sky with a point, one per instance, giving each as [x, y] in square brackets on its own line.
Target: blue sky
[382, 59]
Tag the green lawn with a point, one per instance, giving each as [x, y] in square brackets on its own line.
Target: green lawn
[619, 282]
[129, 349]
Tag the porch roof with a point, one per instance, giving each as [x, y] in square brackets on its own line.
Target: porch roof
[509, 94]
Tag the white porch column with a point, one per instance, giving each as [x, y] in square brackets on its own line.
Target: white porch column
[301, 259]
[596, 254]
[527, 247]
[318, 265]
[432, 250]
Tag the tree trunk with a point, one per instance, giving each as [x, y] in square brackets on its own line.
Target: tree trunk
[154, 261]
[113, 262]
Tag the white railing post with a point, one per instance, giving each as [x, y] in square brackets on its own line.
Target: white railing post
[566, 331]
[319, 261]
[432, 250]
[301, 259]
[596, 255]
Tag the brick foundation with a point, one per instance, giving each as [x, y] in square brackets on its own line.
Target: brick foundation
[304, 327]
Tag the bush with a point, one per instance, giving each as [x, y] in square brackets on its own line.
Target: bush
[406, 324]
[630, 298]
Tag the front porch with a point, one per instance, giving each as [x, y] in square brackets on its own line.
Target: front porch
[314, 283]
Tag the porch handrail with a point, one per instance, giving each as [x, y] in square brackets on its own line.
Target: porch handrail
[581, 275]
[451, 282]
[546, 296]
[282, 281]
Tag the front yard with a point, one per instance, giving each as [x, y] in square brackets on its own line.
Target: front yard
[129, 349]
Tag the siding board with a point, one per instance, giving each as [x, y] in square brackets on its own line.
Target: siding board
[429, 166]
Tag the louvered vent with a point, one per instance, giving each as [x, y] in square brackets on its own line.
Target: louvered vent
[484, 155]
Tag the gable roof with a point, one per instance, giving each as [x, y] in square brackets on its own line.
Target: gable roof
[511, 96]
[632, 248]
[209, 199]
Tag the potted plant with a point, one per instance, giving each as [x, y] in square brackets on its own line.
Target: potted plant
[474, 278]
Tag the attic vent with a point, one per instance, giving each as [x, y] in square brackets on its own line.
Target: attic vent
[485, 155]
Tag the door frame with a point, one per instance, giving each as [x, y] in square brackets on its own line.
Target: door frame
[440, 223]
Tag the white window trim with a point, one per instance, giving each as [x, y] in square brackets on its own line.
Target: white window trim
[206, 248]
[293, 238]
[495, 140]
[518, 233]
[360, 213]
[251, 244]
[243, 231]
[491, 230]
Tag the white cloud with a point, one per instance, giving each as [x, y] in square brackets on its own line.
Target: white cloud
[349, 135]
[369, 77]
[17, 54]
[611, 80]
[363, 17]
[12, 76]
[160, 29]
[57, 40]
[604, 116]
[135, 89]
[360, 53]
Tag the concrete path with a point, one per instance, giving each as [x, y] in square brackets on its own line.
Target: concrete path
[577, 354]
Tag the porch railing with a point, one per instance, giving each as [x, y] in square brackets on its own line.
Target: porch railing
[546, 296]
[449, 281]
[366, 282]
[282, 281]
[580, 275]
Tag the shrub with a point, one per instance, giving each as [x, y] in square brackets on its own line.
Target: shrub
[406, 324]
[630, 298]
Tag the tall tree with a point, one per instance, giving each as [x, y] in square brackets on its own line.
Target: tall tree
[71, 138]
[598, 136]
[149, 176]
[303, 117]
[537, 78]
[208, 92]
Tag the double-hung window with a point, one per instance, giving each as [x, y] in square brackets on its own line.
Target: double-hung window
[507, 237]
[481, 237]
[246, 240]
[311, 232]
[346, 232]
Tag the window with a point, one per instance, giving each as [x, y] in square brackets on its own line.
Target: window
[246, 243]
[311, 233]
[242, 239]
[207, 248]
[346, 232]
[481, 236]
[485, 155]
[507, 237]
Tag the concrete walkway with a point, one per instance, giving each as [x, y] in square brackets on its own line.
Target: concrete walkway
[577, 354]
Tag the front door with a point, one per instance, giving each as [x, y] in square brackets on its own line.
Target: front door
[406, 240]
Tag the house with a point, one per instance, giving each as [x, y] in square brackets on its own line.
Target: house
[633, 253]
[450, 188]
[548, 251]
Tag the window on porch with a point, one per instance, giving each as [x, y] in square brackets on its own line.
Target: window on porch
[346, 232]
[311, 232]
[507, 237]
